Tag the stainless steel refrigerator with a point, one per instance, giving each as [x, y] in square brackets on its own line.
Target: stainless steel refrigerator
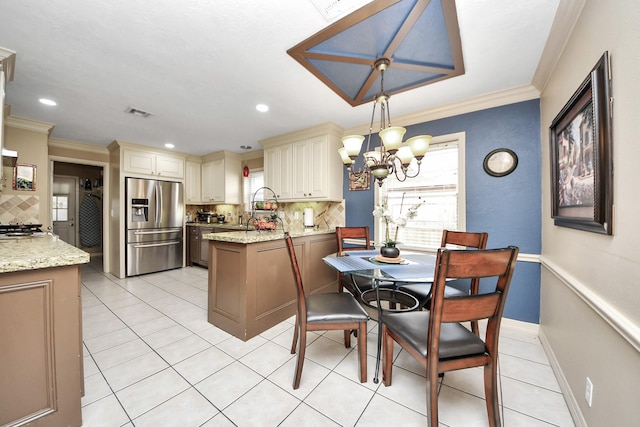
[155, 218]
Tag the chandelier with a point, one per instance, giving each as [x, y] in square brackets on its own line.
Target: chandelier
[392, 156]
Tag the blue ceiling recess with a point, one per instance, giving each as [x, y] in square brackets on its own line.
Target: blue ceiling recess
[421, 38]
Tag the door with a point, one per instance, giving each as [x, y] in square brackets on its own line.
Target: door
[170, 204]
[63, 207]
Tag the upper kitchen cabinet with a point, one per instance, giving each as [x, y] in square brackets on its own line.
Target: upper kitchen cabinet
[192, 183]
[278, 161]
[150, 163]
[7, 67]
[305, 165]
[221, 178]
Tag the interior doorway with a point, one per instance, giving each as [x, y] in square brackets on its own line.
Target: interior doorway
[77, 205]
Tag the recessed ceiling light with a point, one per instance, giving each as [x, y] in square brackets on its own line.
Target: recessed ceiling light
[263, 108]
[49, 102]
[169, 145]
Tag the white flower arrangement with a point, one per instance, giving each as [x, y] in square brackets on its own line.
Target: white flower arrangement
[382, 211]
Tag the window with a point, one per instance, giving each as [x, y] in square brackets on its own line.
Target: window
[60, 206]
[440, 190]
[252, 183]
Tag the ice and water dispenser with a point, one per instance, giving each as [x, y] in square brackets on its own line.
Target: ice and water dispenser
[139, 210]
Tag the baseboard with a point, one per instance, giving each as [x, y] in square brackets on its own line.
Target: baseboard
[528, 327]
[569, 398]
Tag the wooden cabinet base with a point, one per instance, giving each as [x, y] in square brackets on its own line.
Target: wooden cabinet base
[251, 286]
[41, 377]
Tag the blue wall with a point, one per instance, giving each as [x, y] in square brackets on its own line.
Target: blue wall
[508, 208]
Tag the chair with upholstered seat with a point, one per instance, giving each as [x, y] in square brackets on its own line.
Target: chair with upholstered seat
[322, 312]
[438, 340]
[460, 239]
[358, 240]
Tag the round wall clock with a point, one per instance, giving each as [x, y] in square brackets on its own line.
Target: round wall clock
[500, 162]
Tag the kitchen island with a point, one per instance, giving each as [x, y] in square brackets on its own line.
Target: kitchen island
[41, 373]
[251, 285]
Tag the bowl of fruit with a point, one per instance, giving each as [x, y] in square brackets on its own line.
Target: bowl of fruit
[264, 224]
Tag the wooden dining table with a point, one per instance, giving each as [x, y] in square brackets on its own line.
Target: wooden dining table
[413, 267]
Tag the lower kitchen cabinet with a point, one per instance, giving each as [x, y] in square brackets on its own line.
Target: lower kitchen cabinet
[198, 252]
[41, 372]
[199, 247]
[204, 246]
[251, 287]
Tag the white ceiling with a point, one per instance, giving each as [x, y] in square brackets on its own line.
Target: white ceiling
[200, 67]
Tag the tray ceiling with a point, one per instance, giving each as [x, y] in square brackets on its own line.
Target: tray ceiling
[420, 37]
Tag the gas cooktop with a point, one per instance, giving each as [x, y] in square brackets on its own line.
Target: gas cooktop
[16, 230]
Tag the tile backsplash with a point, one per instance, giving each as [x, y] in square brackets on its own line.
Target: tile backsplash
[326, 214]
[19, 209]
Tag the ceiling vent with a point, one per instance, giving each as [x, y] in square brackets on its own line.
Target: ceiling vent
[137, 112]
[332, 9]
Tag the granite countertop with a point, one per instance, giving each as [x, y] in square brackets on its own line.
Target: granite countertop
[246, 237]
[230, 227]
[36, 252]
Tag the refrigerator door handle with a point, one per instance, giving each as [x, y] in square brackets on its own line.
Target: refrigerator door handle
[169, 230]
[151, 245]
[158, 203]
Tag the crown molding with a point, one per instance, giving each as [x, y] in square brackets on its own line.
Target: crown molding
[76, 146]
[495, 99]
[218, 155]
[323, 129]
[28, 124]
[255, 154]
[563, 24]
[7, 63]
[132, 145]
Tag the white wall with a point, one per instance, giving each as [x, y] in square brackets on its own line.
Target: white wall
[590, 316]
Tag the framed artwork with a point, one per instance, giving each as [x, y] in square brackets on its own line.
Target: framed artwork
[581, 156]
[358, 183]
[24, 177]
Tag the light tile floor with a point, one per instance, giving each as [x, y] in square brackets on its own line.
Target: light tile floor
[151, 359]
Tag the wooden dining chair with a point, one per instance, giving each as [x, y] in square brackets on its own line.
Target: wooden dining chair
[461, 240]
[322, 312]
[358, 241]
[438, 340]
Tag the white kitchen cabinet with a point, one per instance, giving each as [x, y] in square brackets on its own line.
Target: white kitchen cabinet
[305, 165]
[310, 174]
[192, 183]
[7, 69]
[278, 161]
[2, 181]
[154, 164]
[222, 178]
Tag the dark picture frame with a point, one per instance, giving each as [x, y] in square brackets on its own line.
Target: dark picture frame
[581, 156]
[500, 162]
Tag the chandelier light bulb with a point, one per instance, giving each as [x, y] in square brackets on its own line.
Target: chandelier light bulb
[372, 158]
[345, 156]
[392, 137]
[405, 155]
[419, 145]
[353, 144]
